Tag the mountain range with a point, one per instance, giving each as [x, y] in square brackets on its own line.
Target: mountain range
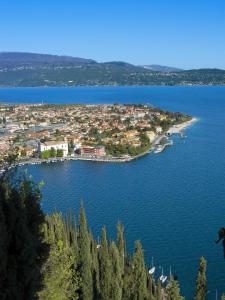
[20, 69]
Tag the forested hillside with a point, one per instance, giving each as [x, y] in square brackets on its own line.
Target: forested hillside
[29, 69]
[48, 257]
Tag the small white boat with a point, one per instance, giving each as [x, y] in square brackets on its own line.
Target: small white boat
[151, 271]
[159, 149]
[163, 278]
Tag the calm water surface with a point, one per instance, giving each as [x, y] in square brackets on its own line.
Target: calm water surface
[173, 202]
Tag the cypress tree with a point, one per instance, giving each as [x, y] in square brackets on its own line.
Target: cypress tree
[117, 281]
[159, 295]
[121, 245]
[201, 288]
[105, 268]
[127, 280]
[173, 290]
[85, 263]
[95, 268]
[3, 254]
[24, 250]
[139, 290]
[61, 282]
[151, 286]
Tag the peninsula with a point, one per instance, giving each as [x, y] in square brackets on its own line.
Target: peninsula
[111, 132]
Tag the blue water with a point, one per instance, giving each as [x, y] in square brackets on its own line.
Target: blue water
[174, 202]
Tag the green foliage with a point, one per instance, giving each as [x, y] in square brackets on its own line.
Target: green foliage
[61, 280]
[22, 247]
[84, 259]
[44, 71]
[201, 288]
[116, 273]
[23, 153]
[45, 154]
[48, 258]
[51, 153]
[139, 290]
[173, 290]
[59, 153]
[105, 268]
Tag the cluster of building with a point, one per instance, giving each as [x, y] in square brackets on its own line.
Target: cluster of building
[28, 130]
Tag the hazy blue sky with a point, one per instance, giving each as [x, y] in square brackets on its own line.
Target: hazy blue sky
[181, 33]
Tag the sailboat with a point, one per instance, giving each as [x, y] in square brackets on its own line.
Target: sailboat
[162, 277]
[152, 270]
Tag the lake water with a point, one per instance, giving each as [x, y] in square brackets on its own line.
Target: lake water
[174, 202]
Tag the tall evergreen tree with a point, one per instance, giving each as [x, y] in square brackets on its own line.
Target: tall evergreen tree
[121, 244]
[151, 286]
[201, 288]
[127, 279]
[139, 291]
[159, 291]
[3, 253]
[24, 250]
[105, 268]
[95, 268]
[116, 269]
[84, 260]
[173, 290]
[61, 281]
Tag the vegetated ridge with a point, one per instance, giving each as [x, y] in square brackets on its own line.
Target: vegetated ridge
[19, 69]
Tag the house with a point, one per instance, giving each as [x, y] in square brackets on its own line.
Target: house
[151, 135]
[159, 129]
[93, 150]
[57, 145]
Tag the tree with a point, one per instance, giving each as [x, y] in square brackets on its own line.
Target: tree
[95, 268]
[116, 269]
[61, 281]
[159, 295]
[105, 268]
[201, 288]
[52, 152]
[139, 274]
[24, 250]
[3, 253]
[23, 153]
[121, 245]
[45, 154]
[173, 290]
[84, 259]
[59, 153]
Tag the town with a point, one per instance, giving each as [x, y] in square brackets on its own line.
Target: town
[109, 131]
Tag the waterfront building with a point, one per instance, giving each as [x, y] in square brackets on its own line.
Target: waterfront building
[57, 145]
[93, 150]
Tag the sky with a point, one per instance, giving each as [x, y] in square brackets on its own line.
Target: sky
[180, 33]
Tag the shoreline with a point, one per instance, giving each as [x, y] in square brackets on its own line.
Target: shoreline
[175, 129]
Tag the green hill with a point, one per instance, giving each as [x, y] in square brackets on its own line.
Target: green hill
[30, 69]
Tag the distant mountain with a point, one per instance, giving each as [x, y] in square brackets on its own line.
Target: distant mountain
[164, 69]
[31, 69]
[22, 58]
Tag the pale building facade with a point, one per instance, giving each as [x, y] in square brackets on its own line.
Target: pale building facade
[59, 145]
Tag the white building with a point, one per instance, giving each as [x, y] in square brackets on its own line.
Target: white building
[61, 145]
[151, 135]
